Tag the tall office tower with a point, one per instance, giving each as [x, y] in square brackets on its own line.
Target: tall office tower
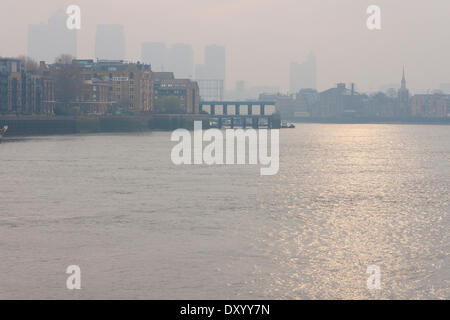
[110, 42]
[211, 75]
[200, 72]
[155, 54]
[303, 75]
[181, 61]
[215, 62]
[46, 41]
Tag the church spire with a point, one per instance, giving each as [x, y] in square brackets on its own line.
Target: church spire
[403, 79]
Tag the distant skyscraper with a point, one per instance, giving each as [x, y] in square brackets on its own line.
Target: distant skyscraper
[303, 75]
[155, 54]
[110, 42]
[200, 72]
[181, 61]
[47, 41]
[211, 74]
[215, 62]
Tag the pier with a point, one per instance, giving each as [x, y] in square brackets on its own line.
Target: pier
[237, 118]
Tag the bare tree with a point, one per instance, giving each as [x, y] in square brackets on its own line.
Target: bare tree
[30, 64]
[64, 59]
[68, 82]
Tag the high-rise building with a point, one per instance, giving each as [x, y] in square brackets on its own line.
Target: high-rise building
[200, 72]
[110, 42]
[181, 61]
[211, 74]
[303, 75]
[155, 54]
[46, 41]
[215, 62]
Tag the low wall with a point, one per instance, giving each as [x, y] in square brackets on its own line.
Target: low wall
[172, 122]
[29, 125]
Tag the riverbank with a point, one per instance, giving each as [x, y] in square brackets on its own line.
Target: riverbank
[43, 125]
[40, 125]
[372, 121]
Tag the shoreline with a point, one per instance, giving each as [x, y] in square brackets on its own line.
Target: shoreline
[23, 126]
[380, 121]
[45, 126]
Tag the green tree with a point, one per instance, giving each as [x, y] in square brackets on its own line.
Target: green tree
[168, 105]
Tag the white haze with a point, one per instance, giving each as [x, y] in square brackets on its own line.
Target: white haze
[263, 36]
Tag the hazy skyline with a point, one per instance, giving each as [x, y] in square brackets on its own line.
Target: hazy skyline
[110, 42]
[262, 37]
[47, 40]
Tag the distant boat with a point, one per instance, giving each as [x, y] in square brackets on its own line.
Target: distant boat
[2, 132]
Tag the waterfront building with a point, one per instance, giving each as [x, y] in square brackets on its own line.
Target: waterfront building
[306, 103]
[430, 106]
[48, 101]
[25, 92]
[169, 90]
[11, 71]
[284, 104]
[115, 86]
[341, 102]
[381, 105]
[294, 106]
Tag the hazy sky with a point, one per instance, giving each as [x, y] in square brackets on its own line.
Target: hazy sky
[263, 36]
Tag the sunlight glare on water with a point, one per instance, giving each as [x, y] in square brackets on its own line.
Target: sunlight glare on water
[346, 197]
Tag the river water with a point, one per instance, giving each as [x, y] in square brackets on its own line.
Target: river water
[346, 197]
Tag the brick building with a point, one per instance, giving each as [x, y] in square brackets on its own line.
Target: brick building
[25, 92]
[115, 86]
[184, 90]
